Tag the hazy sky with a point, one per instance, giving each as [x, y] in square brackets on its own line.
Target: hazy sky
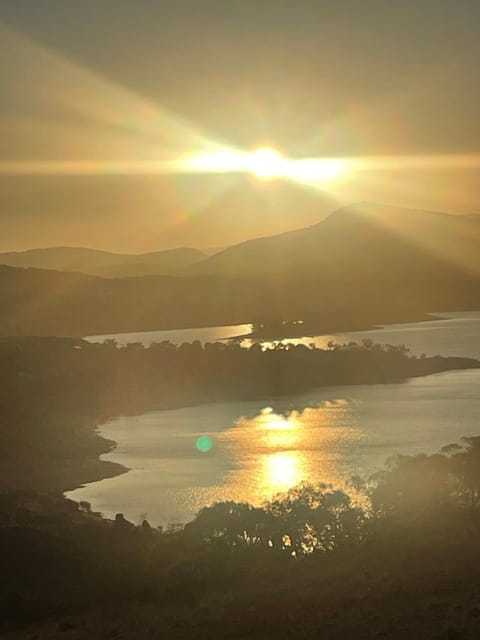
[136, 80]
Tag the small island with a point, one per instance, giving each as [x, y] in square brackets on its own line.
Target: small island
[274, 327]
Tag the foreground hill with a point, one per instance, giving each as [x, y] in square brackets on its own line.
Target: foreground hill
[45, 302]
[401, 562]
[365, 239]
[104, 263]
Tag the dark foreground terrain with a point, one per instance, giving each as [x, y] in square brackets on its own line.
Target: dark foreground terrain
[399, 557]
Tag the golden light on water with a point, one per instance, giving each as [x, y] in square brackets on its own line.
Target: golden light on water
[268, 419]
[280, 471]
[274, 450]
[284, 467]
[276, 431]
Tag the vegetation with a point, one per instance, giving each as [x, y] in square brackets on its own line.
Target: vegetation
[288, 568]
[390, 558]
[55, 391]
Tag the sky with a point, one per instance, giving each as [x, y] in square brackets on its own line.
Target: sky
[123, 83]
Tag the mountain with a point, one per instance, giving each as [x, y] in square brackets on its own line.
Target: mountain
[104, 263]
[361, 266]
[364, 240]
[39, 302]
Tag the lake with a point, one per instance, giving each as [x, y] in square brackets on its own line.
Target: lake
[452, 334]
[259, 448]
[176, 336]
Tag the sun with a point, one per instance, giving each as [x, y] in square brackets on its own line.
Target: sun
[315, 170]
[266, 163]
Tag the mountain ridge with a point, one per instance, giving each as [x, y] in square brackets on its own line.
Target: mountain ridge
[430, 236]
[104, 263]
[361, 266]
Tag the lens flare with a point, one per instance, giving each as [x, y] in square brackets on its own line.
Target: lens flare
[204, 444]
[315, 170]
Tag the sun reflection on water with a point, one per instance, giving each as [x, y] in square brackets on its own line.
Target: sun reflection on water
[280, 471]
[273, 451]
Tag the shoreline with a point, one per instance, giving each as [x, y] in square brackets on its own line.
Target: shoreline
[105, 469]
[310, 332]
[314, 332]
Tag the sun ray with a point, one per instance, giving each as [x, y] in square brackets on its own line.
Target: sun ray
[93, 123]
[92, 126]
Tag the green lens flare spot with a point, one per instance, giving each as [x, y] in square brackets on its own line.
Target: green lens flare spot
[204, 444]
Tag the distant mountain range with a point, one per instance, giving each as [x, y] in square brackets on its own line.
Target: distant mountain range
[365, 239]
[363, 265]
[104, 263]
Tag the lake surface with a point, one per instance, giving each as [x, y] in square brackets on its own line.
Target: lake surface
[452, 334]
[176, 336]
[262, 447]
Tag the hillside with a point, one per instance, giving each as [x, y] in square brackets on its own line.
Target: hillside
[359, 267]
[104, 263]
[365, 239]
